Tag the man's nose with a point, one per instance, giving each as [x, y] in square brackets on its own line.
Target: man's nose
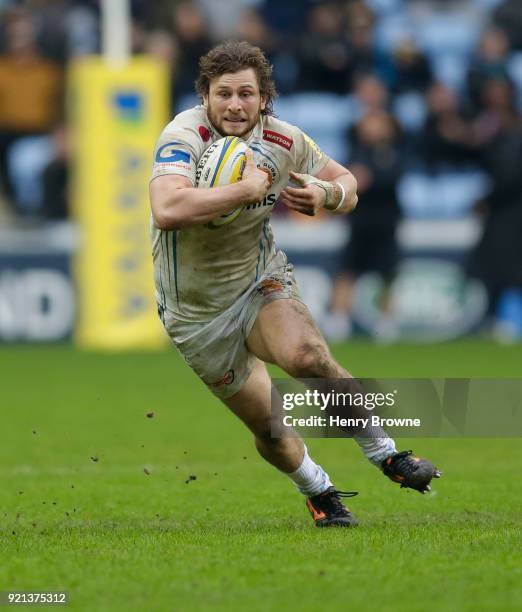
[234, 104]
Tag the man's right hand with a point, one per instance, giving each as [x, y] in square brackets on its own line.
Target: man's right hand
[258, 180]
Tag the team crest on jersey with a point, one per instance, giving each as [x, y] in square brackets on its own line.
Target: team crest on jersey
[278, 139]
[227, 379]
[268, 166]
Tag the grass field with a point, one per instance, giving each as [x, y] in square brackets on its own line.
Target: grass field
[95, 500]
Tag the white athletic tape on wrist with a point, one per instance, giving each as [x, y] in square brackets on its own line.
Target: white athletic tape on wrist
[342, 198]
[329, 189]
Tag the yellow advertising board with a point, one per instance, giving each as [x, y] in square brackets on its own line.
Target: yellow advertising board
[117, 114]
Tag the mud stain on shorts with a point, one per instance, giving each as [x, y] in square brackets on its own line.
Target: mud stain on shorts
[270, 285]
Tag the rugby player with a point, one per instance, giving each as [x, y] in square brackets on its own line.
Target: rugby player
[227, 298]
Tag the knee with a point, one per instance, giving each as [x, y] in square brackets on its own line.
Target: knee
[266, 443]
[262, 429]
[263, 440]
[311, 360]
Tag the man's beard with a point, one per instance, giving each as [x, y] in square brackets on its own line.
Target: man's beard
[247, 126]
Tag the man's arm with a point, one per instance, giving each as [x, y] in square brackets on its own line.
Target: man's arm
[323, 191]
[176, 204]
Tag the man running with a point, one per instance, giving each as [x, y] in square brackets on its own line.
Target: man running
[227, 298]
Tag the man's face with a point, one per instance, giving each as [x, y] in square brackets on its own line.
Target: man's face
[234, 102]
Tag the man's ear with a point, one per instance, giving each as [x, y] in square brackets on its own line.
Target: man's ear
[263, 103]
[205, 100]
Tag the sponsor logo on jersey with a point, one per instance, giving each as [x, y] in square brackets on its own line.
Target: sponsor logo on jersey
[167, 168]
[268, 200]
[279, 139]
[168, 153]
[205, 133]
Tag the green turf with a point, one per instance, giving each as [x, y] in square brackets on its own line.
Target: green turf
[238, 537]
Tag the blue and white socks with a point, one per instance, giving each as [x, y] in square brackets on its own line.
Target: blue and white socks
[309, 477]
[376, 449]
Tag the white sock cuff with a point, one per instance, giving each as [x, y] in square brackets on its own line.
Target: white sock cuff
[377, 449]
[309, 477]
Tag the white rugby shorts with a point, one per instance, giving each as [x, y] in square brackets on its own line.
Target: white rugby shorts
[216, 350]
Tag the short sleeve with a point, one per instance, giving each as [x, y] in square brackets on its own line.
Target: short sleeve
[309, 157]
[177, 152]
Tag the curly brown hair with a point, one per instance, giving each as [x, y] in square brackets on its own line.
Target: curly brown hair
[230, 57]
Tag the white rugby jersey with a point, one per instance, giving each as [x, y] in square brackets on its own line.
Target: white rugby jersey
[200, 271]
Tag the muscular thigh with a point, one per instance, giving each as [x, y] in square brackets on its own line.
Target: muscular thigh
[285, 334]
[252, 404]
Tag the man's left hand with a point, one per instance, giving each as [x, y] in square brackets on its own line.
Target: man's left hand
[307, 198]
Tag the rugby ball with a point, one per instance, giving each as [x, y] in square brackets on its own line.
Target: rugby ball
[222, 164]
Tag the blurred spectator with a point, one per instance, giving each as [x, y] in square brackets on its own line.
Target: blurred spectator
[55, 178]
[253, 28]
[376, 164]
[411, 69]
[82, 29]
[163, 45]
[193, 41]
[66, 28]
[155, 15]
[369, 94]
[497, 259]
[223, 18]
[288, 22]
[498, 111]
[508, 16]
[30, 91]
[324, 53]
[364, 58]
[447, 134]
[288, 19]
[490, 62]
